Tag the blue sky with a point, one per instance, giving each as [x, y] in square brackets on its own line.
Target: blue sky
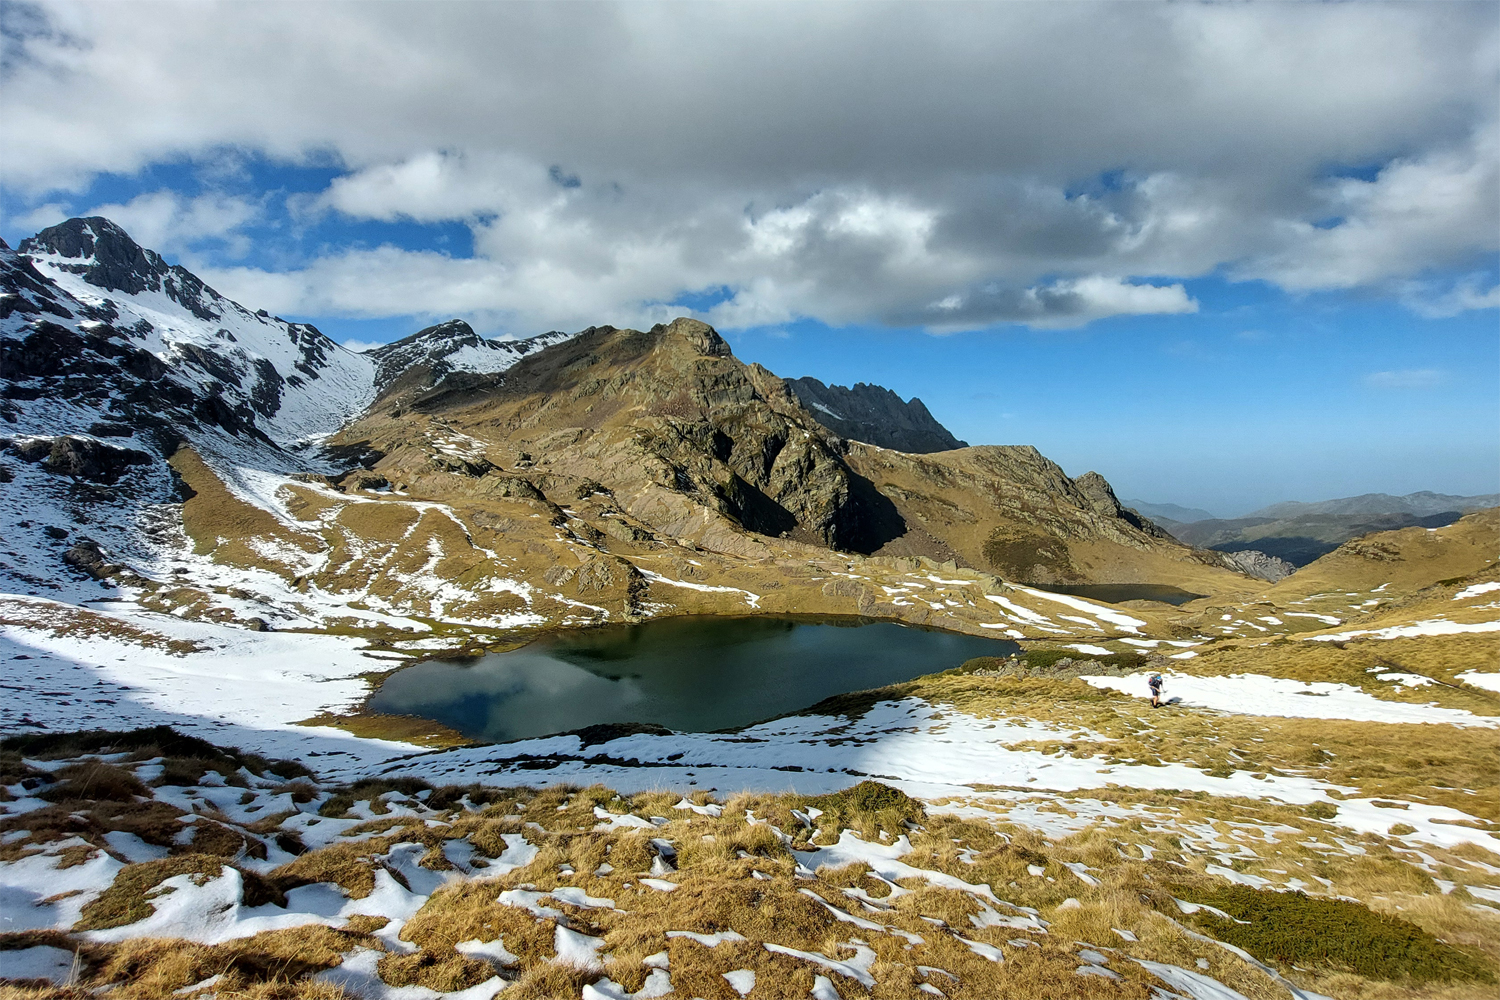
[1279, 283]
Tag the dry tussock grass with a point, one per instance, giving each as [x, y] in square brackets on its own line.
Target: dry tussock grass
[760, 896]
[272, 964]
[82, 623]
[1433, 763]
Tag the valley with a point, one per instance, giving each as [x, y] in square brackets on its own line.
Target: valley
[265, 598]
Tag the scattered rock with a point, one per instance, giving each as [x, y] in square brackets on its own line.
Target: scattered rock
[1259, 565]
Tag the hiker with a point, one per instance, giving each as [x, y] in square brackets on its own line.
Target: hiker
[1155, 683]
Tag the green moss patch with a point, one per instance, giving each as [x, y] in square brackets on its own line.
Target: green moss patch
[869, 807]
[1293, 928]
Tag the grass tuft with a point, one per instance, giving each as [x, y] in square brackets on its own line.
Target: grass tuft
[870, 807]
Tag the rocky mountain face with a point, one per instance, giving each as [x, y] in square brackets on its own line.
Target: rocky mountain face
[875, 415]
[671, 420]
[431, 355]
[217, 461]
[158, 324]
[1261, 566]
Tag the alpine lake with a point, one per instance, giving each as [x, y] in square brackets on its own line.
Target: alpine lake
[697, 673]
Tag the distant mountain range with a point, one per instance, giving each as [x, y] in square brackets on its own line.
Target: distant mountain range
[1168, 511]
[1301, 532]
[1417, 504]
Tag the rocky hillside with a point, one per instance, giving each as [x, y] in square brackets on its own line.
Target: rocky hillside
[222, 463]
[875, 415]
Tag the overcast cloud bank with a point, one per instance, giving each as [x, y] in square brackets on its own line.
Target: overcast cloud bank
[949, 167]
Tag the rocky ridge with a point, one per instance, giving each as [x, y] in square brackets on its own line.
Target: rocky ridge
[875, 415]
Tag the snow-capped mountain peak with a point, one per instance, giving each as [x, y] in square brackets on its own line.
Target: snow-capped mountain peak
[292, 380]
[94, 327]
[453, 346]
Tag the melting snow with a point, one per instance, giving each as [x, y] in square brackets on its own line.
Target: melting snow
[1257, 694]
[1436, 626]
[1474, 590]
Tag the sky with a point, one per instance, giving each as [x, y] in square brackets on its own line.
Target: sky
[1223, 254]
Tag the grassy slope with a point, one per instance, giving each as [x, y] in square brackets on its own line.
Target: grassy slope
[1405, 936]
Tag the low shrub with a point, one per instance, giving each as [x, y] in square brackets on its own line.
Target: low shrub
[1293, 928]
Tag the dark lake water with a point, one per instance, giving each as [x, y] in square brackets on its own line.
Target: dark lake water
[1114, 593]
[693, 674]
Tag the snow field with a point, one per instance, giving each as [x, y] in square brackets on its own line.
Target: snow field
[1258, 694]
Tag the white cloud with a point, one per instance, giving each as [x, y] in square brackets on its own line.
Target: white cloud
[165, 221]
[1436, 210]
[1411, 378]
[1048, 164]
[1468, 293]
[42, 216]
[362, 346]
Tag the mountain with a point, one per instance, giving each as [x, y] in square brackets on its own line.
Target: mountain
[875, 415]
[166, 443]
[1298, 533]
[431, 355]
[1416, 504]
[1403, 560]
[1160, 512]
[114, 328]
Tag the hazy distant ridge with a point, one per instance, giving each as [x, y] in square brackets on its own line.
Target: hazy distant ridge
[1420, 504]
[1169, 511]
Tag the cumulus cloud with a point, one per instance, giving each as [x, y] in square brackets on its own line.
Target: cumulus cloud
[1430, 299]
[944, 166]
[42, 216]
[166, 221]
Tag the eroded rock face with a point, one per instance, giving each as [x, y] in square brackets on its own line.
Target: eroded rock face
[1261, 566]
[640, 416]
[876, 415]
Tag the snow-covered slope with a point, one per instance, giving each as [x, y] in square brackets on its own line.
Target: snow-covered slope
[111, 359]
[441, 350]
[295, 381]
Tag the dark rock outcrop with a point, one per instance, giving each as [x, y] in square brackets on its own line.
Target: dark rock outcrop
[875, 415]
[78, 456]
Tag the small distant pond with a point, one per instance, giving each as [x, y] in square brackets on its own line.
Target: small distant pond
[693, 674]
[1116, 593]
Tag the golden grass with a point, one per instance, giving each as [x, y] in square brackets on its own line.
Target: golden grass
[1358, 663]
[219, 523]
[1408, 559]
[270, 964]
[400, 728]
